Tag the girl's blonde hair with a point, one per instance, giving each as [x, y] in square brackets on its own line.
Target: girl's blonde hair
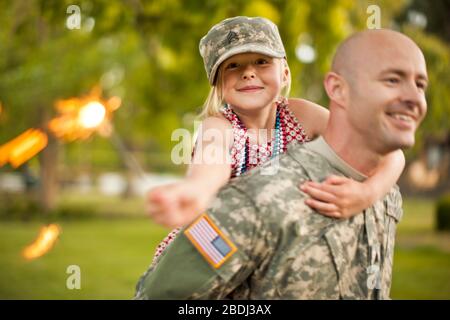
[214, 101]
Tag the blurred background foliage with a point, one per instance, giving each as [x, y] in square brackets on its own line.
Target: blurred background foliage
[146, 52]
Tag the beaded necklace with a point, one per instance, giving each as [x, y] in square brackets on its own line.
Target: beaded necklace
[278, 145]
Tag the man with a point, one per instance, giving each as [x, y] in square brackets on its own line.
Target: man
[261, 241]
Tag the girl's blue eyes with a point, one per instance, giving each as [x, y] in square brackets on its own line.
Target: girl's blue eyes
[234, 65]
[231, 66]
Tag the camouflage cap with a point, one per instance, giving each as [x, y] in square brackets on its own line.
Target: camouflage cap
[239, 35]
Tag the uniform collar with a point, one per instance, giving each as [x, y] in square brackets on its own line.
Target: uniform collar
[321, 147]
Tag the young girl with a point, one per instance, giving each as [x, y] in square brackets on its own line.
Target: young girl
[246, 65]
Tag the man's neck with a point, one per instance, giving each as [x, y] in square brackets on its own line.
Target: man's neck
[351, 148]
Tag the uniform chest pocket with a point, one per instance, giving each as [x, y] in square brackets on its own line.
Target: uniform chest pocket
[309, 270]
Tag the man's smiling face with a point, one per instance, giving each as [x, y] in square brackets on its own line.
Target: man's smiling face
[387, 91]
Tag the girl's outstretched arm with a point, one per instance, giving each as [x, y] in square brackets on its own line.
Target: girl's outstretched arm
[179, 203]
[341, 197]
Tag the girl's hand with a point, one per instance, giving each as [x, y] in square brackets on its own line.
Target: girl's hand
[176, 204]
[338, 197]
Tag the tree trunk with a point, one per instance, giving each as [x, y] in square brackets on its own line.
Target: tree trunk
[49, 181]
[48, 160]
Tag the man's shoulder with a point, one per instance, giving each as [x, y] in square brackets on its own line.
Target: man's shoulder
[272, 201]
[270, 174]
[298, 162]
[274, 186]
[315, 165]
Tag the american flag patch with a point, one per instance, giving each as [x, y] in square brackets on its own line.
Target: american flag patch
[213, 245]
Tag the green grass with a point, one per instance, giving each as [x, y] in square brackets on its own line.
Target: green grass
[422, 255]
[103, 206]
[112, 254]
[421, 273]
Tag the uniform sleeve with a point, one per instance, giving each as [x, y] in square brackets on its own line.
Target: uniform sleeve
[185, 271]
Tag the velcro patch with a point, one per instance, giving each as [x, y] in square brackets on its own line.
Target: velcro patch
[213, 245]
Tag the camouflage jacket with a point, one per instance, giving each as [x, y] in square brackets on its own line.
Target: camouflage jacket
[284, 249]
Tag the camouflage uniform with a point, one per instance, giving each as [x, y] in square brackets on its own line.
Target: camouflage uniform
[285, 250]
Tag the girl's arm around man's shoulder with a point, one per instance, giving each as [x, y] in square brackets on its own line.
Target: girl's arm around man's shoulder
[312, 117]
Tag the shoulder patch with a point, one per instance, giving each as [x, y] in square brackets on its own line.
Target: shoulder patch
[212, 244]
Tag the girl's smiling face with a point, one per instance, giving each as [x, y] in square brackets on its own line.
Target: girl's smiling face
[252, 81]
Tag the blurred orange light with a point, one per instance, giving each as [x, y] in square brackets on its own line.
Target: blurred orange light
[43, 243]
[23, 147]
[92, 115]
[79, 118]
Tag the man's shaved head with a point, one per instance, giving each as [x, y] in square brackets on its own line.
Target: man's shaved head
[364, 48]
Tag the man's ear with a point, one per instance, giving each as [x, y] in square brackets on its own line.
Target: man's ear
[336, 88]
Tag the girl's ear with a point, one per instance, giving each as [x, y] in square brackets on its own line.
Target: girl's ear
[284, 72]
[285, 75]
